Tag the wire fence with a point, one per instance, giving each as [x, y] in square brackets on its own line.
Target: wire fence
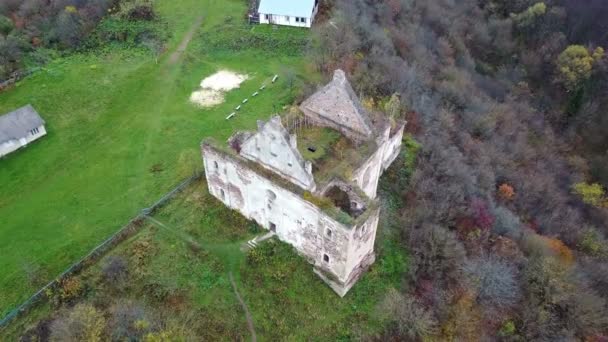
[130, 229]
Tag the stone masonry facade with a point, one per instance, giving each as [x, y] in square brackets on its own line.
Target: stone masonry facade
[264, 176]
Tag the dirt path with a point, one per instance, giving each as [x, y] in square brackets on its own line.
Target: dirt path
[187, 38]
[218, 249]
[245, 308]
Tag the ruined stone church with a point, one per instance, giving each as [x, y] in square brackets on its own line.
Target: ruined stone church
[312, 179]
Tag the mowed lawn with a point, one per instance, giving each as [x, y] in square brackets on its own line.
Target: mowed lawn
[121, 133]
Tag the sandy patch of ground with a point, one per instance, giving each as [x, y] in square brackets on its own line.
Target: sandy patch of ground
[207, 98]
[214, 87]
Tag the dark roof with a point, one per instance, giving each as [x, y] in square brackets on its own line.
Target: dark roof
[18, 123]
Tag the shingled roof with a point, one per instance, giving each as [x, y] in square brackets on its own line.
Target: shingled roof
[338, 104]
[17, 124]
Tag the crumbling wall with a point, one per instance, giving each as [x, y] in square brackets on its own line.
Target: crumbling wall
[273, 148]
[321, 239]
[368, 175]
[393, 147]
[363, 240]
[337, 106]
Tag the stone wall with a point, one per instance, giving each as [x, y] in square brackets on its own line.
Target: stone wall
[393, 147]
[273, 148]
[336, 106]
[368, 175]
[330, 246]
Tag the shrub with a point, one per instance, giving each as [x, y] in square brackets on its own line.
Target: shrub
[137, 10]
[71, 288]
[407, 316]
[463, 320]
[82, 323]
[592, 194]
[436, 253]
[493, 280]
[6, 25]
[506, 223]
[410, 151]
[128, 321]
[593, 243]
[115, 272]
[507, 329]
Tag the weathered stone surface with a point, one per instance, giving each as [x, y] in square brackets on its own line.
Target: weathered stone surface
[336, 106]
[273, 148]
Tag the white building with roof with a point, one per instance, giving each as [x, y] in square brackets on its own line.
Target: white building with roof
[19, 128]
[298, 13]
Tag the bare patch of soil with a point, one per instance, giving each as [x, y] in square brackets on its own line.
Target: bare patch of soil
[214, 87]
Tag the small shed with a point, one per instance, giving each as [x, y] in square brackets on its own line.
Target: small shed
[299, 13]
[19, 128]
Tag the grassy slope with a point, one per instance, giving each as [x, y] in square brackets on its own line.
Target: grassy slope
[287, 300]
[111, 116]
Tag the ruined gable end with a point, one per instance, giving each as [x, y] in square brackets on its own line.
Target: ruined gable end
[273, 148]
[337, 106]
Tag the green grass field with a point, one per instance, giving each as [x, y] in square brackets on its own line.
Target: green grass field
[188, 289]
[121, 133]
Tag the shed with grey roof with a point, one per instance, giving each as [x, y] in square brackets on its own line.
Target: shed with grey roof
[19, 128]
[299, 13]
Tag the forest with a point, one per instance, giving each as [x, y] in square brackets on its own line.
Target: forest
[506, 210]
[34, 32]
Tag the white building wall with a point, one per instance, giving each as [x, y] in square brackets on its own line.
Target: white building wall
[297, 221]
[13, 145]
[278, 19]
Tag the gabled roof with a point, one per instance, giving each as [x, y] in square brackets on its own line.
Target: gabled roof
[18, 123]
[338, 104]
[292, 8]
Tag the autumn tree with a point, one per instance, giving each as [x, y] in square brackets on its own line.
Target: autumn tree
[506, 192]
[527, 18]
[592, 194]
[575, 64]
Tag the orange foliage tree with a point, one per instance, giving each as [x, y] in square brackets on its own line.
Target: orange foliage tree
[506, 192]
